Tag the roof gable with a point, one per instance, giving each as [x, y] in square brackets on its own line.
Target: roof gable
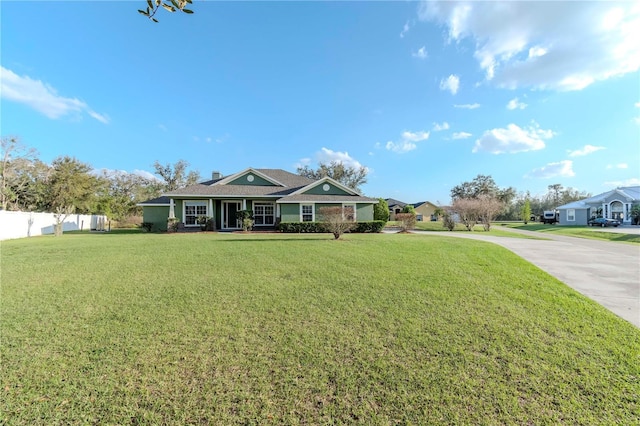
[251, 177]
[325, 186]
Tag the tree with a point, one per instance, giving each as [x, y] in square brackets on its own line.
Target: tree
[176, 176]
[409, 209]
[407, 221]
[481, 184]
[381, 210]
[15, 157]
[349, 176]
[526, 211]
[467, 211]
[153, 6]
[122, 191]
[488, 207]
[71, 188]
[336, 220]
[448, 220]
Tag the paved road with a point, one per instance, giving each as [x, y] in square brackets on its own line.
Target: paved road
[606, 272]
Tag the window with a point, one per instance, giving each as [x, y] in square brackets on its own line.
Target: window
[263, 214]
[571, 215]
[306, 212]
[349, 212]
[193, 209]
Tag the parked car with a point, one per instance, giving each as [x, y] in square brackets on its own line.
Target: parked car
[603, 221]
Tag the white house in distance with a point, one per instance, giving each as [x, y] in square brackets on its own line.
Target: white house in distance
[614, 204]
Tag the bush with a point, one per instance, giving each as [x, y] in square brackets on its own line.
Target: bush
[173, 224]
[301, 227]
[316, 227]
[374, 226]
[407, 221]
[448, 222]
[381, 210]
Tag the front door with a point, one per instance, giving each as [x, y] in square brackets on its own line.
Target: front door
[229, 210]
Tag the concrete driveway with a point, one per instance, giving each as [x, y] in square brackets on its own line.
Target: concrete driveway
[606, 272]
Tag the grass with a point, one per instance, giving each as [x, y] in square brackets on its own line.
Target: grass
[495, 230]
[590, 232]
[300, 329]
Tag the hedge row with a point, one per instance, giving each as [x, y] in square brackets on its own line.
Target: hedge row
[317, 227]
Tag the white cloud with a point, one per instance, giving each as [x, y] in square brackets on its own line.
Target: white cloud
[545, 45]
[617, 166]
[439, 127]
[325, 155]
[513, 139]
[408, 142]
[467, 106]
[421, 53]
[451, 83]
[622, 183]
[586, 150]
[461, 135]
[560, 169]
[515, 104]
[405, 29]
[42, 97]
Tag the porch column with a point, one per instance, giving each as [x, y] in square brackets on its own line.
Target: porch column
[210, 208]
[172, 208]
[244, 204]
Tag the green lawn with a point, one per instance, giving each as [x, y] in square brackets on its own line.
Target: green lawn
[495, 230]
[301, 329]
[591, 232]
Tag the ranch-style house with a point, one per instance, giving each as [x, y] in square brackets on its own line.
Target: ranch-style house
[273, 195]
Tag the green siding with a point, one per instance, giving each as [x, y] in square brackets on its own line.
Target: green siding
[364, 212]
[333, 190]
[156, 215]
[289, 212]
[257, 181]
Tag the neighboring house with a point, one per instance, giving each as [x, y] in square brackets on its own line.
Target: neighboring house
[614, 204]
[424, 209]
[395, 207]
[273, 195]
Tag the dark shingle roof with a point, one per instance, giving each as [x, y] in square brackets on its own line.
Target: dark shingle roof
[392, 202]
[292, 182]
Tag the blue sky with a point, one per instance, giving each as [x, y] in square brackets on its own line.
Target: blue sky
[425, 95]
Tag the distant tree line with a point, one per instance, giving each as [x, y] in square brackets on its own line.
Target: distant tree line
[482, 201]
[68, 185]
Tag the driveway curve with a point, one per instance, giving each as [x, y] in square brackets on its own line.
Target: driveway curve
[606, 272]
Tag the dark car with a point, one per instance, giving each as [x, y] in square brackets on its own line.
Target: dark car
[603, 221]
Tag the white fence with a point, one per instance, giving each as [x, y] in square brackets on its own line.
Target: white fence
[29, 224]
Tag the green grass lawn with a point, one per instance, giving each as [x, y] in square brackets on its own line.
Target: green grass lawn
[575, 231]
[301, 329]
[495, 230]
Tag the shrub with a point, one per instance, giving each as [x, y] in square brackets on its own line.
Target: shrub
[172, 224]
[374, 226]
[246, 218]
[301, 227]
[315, 227]
[381, 210]
[407, 221]
[336, 220]
[448, 221]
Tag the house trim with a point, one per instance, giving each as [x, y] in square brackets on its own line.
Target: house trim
[238, 175]
[323, 181]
